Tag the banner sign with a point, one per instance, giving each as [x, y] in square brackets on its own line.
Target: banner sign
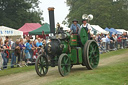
[6, 32]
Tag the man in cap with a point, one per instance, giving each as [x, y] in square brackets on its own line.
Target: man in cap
[75, 27]
[87, 27]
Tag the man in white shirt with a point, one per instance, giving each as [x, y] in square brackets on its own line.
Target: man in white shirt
[104, 43]
[87, 27]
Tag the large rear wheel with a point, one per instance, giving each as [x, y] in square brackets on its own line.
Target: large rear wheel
[41, 65]
[64, 65]
[91, 54]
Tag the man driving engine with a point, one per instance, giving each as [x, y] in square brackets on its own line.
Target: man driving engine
[75, 27]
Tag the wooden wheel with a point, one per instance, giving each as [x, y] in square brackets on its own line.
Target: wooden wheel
[64, 65]
[41, 65]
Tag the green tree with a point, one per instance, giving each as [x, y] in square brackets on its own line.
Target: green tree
[106, 12]
[14, 13]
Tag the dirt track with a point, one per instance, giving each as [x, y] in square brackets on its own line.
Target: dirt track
[31, 78]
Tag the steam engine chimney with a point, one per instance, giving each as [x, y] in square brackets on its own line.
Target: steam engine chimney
[51, 19]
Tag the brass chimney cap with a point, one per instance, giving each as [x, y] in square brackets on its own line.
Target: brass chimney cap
[51, 8]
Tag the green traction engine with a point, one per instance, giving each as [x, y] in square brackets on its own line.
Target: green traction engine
[66, 50]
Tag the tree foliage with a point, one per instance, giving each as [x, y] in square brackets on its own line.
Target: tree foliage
[106, 12]
[14, 13]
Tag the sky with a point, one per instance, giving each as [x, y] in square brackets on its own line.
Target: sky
[60, 12]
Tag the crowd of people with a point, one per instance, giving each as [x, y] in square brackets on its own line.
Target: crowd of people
[22, 50]
[108, 43]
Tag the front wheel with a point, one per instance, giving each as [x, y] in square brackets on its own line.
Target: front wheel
[64, 65]
[41, 65]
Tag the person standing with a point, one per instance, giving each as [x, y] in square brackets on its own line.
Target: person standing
[6, 48]
[115, 43]
[75, 27]
[87, 27]
[99, 40]
[43, 35]
[124, 38]
[112, 42]
[104, 43]
[16, 52]
[107, 42]
[119, 41]
[22, 48]
[27, 53]
[39, 43]
[1, 53]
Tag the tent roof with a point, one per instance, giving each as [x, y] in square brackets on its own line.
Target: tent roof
[6, 31]
[45, 28]
[115, 31]
[107, 29]
[27, 27]
[99, 29]
[121, 30]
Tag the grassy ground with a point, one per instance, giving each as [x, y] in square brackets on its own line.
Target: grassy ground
[113, 74]
[113, 53]
[116, 74]
[15, 70]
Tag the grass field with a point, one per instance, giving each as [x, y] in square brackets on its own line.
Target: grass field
[112, 74]
[113, 53]
[116, 74]
[15, 70]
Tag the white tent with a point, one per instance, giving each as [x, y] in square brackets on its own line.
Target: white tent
[99, 29]
[12, 33]
[121, 30]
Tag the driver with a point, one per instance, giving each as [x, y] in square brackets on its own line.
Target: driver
[75, 27]
[87, 27]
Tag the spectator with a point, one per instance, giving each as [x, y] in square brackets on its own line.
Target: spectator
[107, 42]
[13, 56]
[6, 54]
[9, 41]
[43, 35]
[35, 52]
[31, 50]
[119, 41]
[99, 40]
[104, 43]
[22, 48]
[1, 52]
[39, 43]
[34, 44]
[36, 39]
[27, 54]
[16, 52]
[112, 42]
[115, 43]
[25, 39]
[124, 38]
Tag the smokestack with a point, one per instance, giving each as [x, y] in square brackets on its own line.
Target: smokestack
[51, 19]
